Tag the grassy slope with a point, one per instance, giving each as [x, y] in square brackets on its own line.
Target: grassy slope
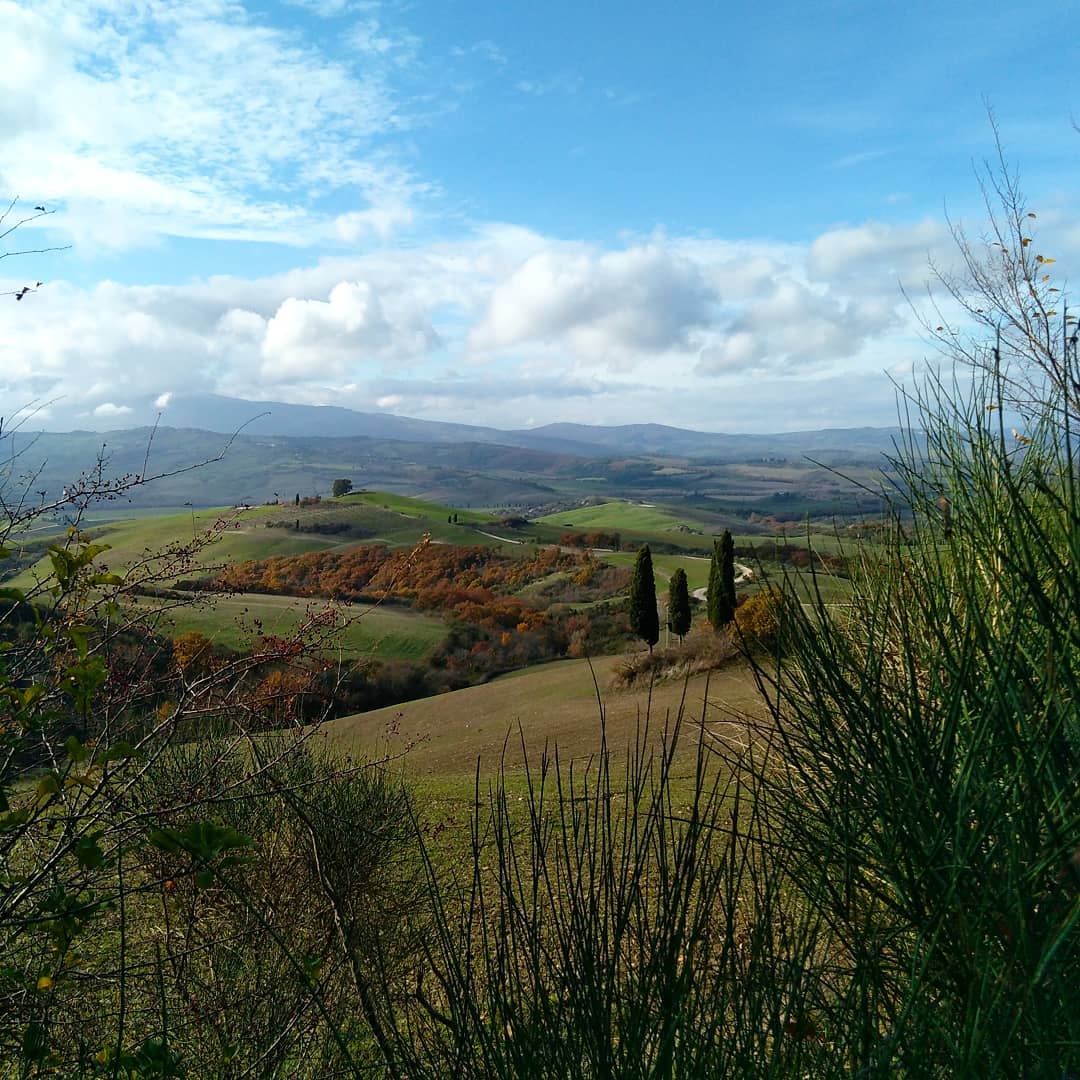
[621, 515]
[416, 508]
[391, 519]
[388, 633]
[554, 703]
[696, 567]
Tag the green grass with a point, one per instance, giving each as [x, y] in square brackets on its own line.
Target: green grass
[388, 633]
[133, 542]
[696, 567]
[417, 508]
[389, 519]
[832, 589]
[827, 543]
[622, 515]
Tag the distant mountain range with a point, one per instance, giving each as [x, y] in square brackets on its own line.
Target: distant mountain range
[213, 412]
[277, 450]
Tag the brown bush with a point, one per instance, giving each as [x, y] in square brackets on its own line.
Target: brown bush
[701, 650]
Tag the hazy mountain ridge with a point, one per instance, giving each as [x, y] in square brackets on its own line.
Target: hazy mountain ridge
[225, 415]
[259, 451]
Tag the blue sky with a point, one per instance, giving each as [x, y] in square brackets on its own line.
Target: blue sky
[506, 213]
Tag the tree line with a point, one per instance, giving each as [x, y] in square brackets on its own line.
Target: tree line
[720, 600]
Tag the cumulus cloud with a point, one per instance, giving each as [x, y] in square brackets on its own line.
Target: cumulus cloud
[162, 400]
[795, 326]
[314, 338]
[496, 326]
[107, 408]
[618, 306]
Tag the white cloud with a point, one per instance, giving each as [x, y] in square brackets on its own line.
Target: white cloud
[849, 161]
[146, 119]
[484, 48]
[378, 220]
[796, 326]
[308, 338]
[162, 400]
[107, 408]
[329, 9]
[619, 306]
[533, 326]
[887, 252]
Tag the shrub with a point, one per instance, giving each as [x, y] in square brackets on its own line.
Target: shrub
[757, 618]
[701, 650]
[926, 737]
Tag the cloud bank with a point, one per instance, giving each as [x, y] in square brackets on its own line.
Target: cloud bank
[502, 326]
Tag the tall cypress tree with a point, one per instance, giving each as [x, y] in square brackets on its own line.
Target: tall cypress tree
[712, 596]
[679, 603]
[727, 578]
[720, 603]
[644, 621]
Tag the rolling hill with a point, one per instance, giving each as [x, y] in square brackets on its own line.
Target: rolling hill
[226, 416]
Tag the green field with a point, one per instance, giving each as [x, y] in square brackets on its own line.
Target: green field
[832, 589]
[827, 543]
[619, 515]
[141, 542]
[390, 633]
[696, 567]
[417, 508]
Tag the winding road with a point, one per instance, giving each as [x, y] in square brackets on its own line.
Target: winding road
[746, 574]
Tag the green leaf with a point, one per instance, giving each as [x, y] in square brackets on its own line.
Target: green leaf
[12, 594]
[313, 968]
[154, 1058]
[76, 752]
[48, 785]
[14, 819]
[91, 552]
[88, 853]
[63, 565]
[106, 579]
[35, 1041]
[203, 840]
[32, 695]
[119, 751]
[80, 636]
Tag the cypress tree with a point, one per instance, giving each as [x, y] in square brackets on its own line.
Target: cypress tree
[679, 603]
[727, 578]
[720, 603]
[712, 596]
[644, 621]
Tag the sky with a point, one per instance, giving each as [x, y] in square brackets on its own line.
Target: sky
[711, 215]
